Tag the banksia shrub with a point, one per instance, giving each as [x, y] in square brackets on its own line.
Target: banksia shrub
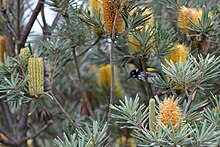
[178, 52]
[2, 47]
[36, 76]
[184, 15]
[108, 17]
[169, 111]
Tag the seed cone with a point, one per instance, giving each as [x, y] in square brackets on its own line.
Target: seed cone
[36, 76]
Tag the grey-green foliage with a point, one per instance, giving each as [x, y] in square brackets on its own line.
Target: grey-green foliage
[195, 72]
[205, 134]
[14, 79]
[132, 114]
[56, 51]
[87, 136]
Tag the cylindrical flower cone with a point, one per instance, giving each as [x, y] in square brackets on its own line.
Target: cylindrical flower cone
[108, 17]
[184, 15]
[169, 112]
[36, 76]
[178, 52]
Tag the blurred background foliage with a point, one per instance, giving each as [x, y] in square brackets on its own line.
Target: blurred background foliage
[176, 42]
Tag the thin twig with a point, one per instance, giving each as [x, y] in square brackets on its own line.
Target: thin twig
[85, 97]
[112, 62]
[30, 23]
[62, 109]
[39, 132]
[18, 28]
[146, 84]
[111, 99]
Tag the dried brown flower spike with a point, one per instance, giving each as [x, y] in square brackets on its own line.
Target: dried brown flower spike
[2, 47]
[36, 76]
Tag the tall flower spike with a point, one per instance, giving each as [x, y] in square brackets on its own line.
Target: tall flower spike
[152, 115]
[36, 76]
[184, 15]
[169, 111]
[108, 17]
[2, 47]
[178, 51]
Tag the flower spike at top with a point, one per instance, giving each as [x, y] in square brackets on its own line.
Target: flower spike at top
[108, 17]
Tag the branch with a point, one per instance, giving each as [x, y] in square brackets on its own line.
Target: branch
[30, 23]
[9, 26]
[146, 84]
[18, 31]
[7, 115]
[23, 120]
[61, 107]
[85, 97]
[39, 132]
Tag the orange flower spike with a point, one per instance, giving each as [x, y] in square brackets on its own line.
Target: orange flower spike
[169, 111]
[108, 18]
[178, 51]
[184, 15]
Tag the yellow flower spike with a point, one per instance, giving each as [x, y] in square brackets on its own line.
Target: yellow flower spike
[184, 15]
[36, 76]
[178, 51]
[108, 17]
[169, 111]
[104, 79]
[2, 47]
[24, 52]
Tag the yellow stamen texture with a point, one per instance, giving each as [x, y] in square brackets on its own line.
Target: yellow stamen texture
[178, 51]
[24, 52]
[109, 12]
[185, 14]
[169, 111]
[36, 76]
[104, 79]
